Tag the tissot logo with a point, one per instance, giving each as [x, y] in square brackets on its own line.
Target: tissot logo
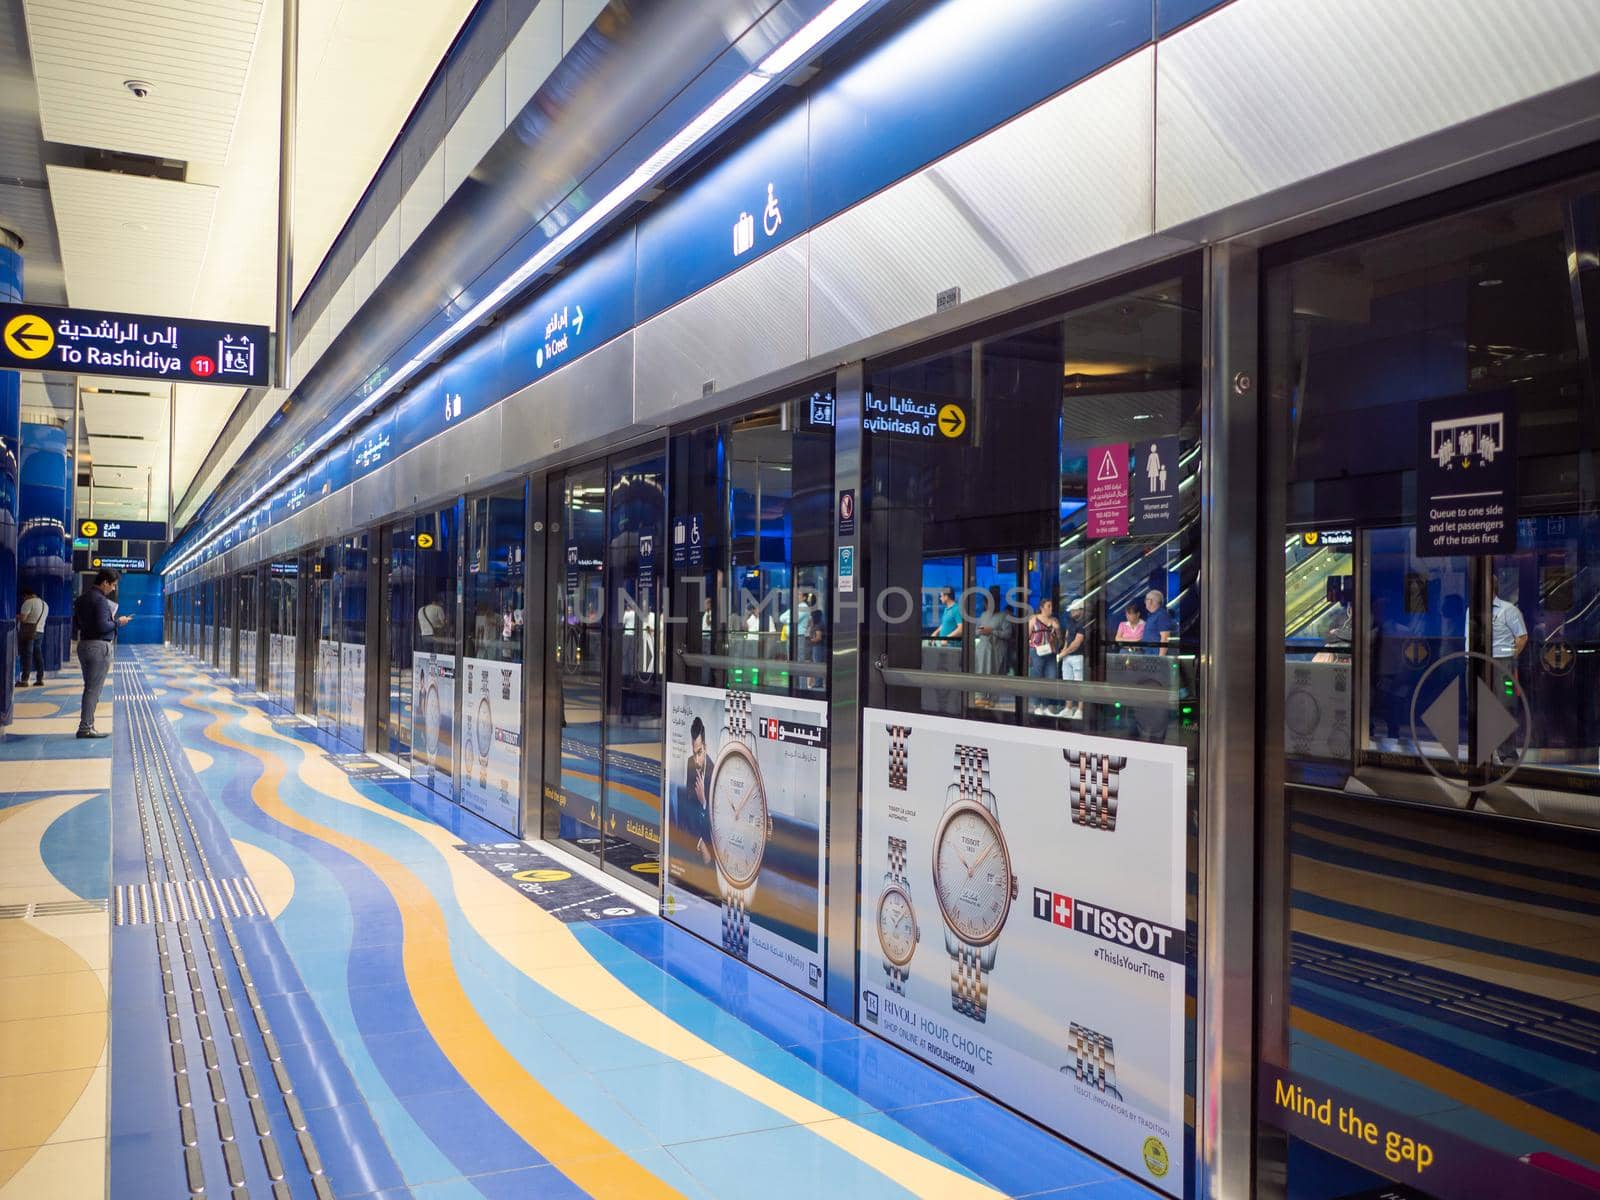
[1108, 924]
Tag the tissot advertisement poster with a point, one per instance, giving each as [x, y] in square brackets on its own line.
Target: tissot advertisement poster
[352, 686]
[433, 700]
[491, 738]
[746, 775]
[1023, 923]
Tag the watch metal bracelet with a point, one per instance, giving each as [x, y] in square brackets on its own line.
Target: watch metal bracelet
[897, 755]
[1093, 1059]
[739, 715]
[897, 860]
[969, 985]
[735, 923]
[1093, 784]
[972, 772]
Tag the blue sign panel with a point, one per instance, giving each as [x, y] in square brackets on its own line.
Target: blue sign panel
[331, 472]
[581, 311]
[90, 342]
[958, 70]
[372, 446]
[473, 379]
[752, 201]
[137, 531]
[420, 413]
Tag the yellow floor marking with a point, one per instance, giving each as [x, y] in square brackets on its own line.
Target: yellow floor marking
[58, 1171]
[1582, 1143]
[273, 879]
[594, 990]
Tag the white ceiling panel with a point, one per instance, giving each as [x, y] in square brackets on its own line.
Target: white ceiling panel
[194, 54]
[129, 243]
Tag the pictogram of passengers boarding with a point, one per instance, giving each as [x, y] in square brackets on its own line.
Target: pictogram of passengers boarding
[1468, 442]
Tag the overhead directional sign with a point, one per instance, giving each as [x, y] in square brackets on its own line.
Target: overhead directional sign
[85, 341]
[113, 531]
[120, 563]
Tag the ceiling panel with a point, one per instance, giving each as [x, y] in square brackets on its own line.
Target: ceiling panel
[194, 54]
[129, 243]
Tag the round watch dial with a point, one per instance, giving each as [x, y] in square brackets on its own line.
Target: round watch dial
[485, 730]
[738, 814]
[972, 873]
[897, 926]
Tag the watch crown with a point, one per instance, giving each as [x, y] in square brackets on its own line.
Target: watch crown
[1013, 887]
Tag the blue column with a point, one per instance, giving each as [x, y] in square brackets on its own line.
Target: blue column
[44, 516]
[10, 453]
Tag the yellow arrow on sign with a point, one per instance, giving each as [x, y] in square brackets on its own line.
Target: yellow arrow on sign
[425, 541]
[88, 529]
[952, 421]
[28, 336]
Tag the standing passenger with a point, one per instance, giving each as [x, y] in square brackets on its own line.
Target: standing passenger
[97, 624]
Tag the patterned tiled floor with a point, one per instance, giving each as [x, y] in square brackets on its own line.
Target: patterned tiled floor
[365, 1010]
[54, 946]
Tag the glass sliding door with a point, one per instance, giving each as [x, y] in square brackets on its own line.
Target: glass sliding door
[1430, 821]
[350, 608]
[245, 669]
[491, 664]
[576, 583]
[324, 611]
[635, 560]
[397, 625]
[437, 597]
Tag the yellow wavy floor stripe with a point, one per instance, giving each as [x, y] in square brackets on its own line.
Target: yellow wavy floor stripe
[49, 1058]
[590, 988]
[1583, 1144]
[585, 1157]
[1555, 891]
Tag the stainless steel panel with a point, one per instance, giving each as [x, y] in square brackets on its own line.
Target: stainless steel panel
[416, 475]
[1267, 109]
[738, 329]
[1225, 984]
[588, 404]
[1065, 181]
[372, 496]
[469, 453]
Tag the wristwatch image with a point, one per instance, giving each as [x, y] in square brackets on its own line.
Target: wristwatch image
[483, 737]
[972, 881]
[739, 823]
[1093, 1061]
[897, 755]
[898, 933]
[1093, 781]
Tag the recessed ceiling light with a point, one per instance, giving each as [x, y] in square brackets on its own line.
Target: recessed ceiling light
[1490, 282]
[136, 227]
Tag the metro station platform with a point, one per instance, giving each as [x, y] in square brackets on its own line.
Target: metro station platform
[325, 982]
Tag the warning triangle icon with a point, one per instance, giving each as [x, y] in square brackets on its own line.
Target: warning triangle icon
[1108, 469]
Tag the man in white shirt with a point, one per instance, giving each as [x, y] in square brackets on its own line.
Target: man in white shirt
[30, 636]
[1508, 638]
[431, 622]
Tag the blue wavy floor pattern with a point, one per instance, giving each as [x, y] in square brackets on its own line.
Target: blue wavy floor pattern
[655, 1064]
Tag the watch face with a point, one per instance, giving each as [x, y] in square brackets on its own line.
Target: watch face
[430, 711]
[1302, 713]
[738, 814]
[897, 926]
[485, 730]
[972, 873]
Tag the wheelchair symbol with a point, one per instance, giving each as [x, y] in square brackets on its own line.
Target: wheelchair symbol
[771, 218]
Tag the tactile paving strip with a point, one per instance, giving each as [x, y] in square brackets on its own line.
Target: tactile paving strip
[182, 897]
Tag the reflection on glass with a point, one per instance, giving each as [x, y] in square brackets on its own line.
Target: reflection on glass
[751, 543]
[350, 599]
[984, 555]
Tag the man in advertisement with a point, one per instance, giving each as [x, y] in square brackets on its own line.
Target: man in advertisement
[691, 823]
